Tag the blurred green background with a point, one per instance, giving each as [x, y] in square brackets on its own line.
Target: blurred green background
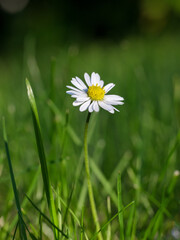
[134, 44]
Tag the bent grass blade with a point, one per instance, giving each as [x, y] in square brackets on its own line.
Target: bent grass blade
[45, 217]
[106, 224]
[42, 157]
[21, 223]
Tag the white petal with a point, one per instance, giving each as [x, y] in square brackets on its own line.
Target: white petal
[94, 79]
[105, 106]
[116, 109]
[75, 89]
[98, 79]
[113, 98]
[76, 84]
[84, 106]
[90, 109]
[82, 98]
[113, 102]
[87, 79]
[95, 106]
[112, 111]
[108, 87]
[77, 103]
[71, 92]
[101, 84]
[81, 83]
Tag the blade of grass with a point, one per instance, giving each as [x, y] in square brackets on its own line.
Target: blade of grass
[130, 221]
[109, 221]
[45, 217]
[73, 215]
[30, 234]
[40, 226]
[42, 157]
[24, 202]
[82, 225]
[109, 214]
[136, 180]
[59, 206]
[16, 196]
[120, 206]
[14, 235]
[67, 208]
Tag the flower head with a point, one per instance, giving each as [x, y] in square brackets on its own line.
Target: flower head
[92, 95]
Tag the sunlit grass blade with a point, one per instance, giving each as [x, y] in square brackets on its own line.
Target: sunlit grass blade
[109, 221]
[46, 218]
[59, 206]
[74, 216]
[130, 221]
[150, 226]
[42, 157]
[21, 224]
[120, 206]
[109, 214]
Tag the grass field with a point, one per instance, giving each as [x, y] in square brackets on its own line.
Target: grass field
[134, 155]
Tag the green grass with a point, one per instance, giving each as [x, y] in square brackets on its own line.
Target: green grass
[133, 154]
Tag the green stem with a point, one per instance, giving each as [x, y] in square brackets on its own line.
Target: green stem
[90, 189]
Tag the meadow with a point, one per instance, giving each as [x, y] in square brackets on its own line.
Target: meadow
[134, 154]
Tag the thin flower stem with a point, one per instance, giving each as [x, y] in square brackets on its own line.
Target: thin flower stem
[90, 189]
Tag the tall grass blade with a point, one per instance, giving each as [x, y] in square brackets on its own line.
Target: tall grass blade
[74, 216]
[109, 214]
[82, 225]
[45, 217]
[42, 157]
[14, 235]
[40, 226]
[130, 222]
[21, 224]
[30, 234]
[67, 207]
[109, 221]
[24, 202]
[120, 206]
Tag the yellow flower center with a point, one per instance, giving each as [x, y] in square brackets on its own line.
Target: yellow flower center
[96, 92]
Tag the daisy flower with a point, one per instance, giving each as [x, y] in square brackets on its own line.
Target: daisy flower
[92, 95]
